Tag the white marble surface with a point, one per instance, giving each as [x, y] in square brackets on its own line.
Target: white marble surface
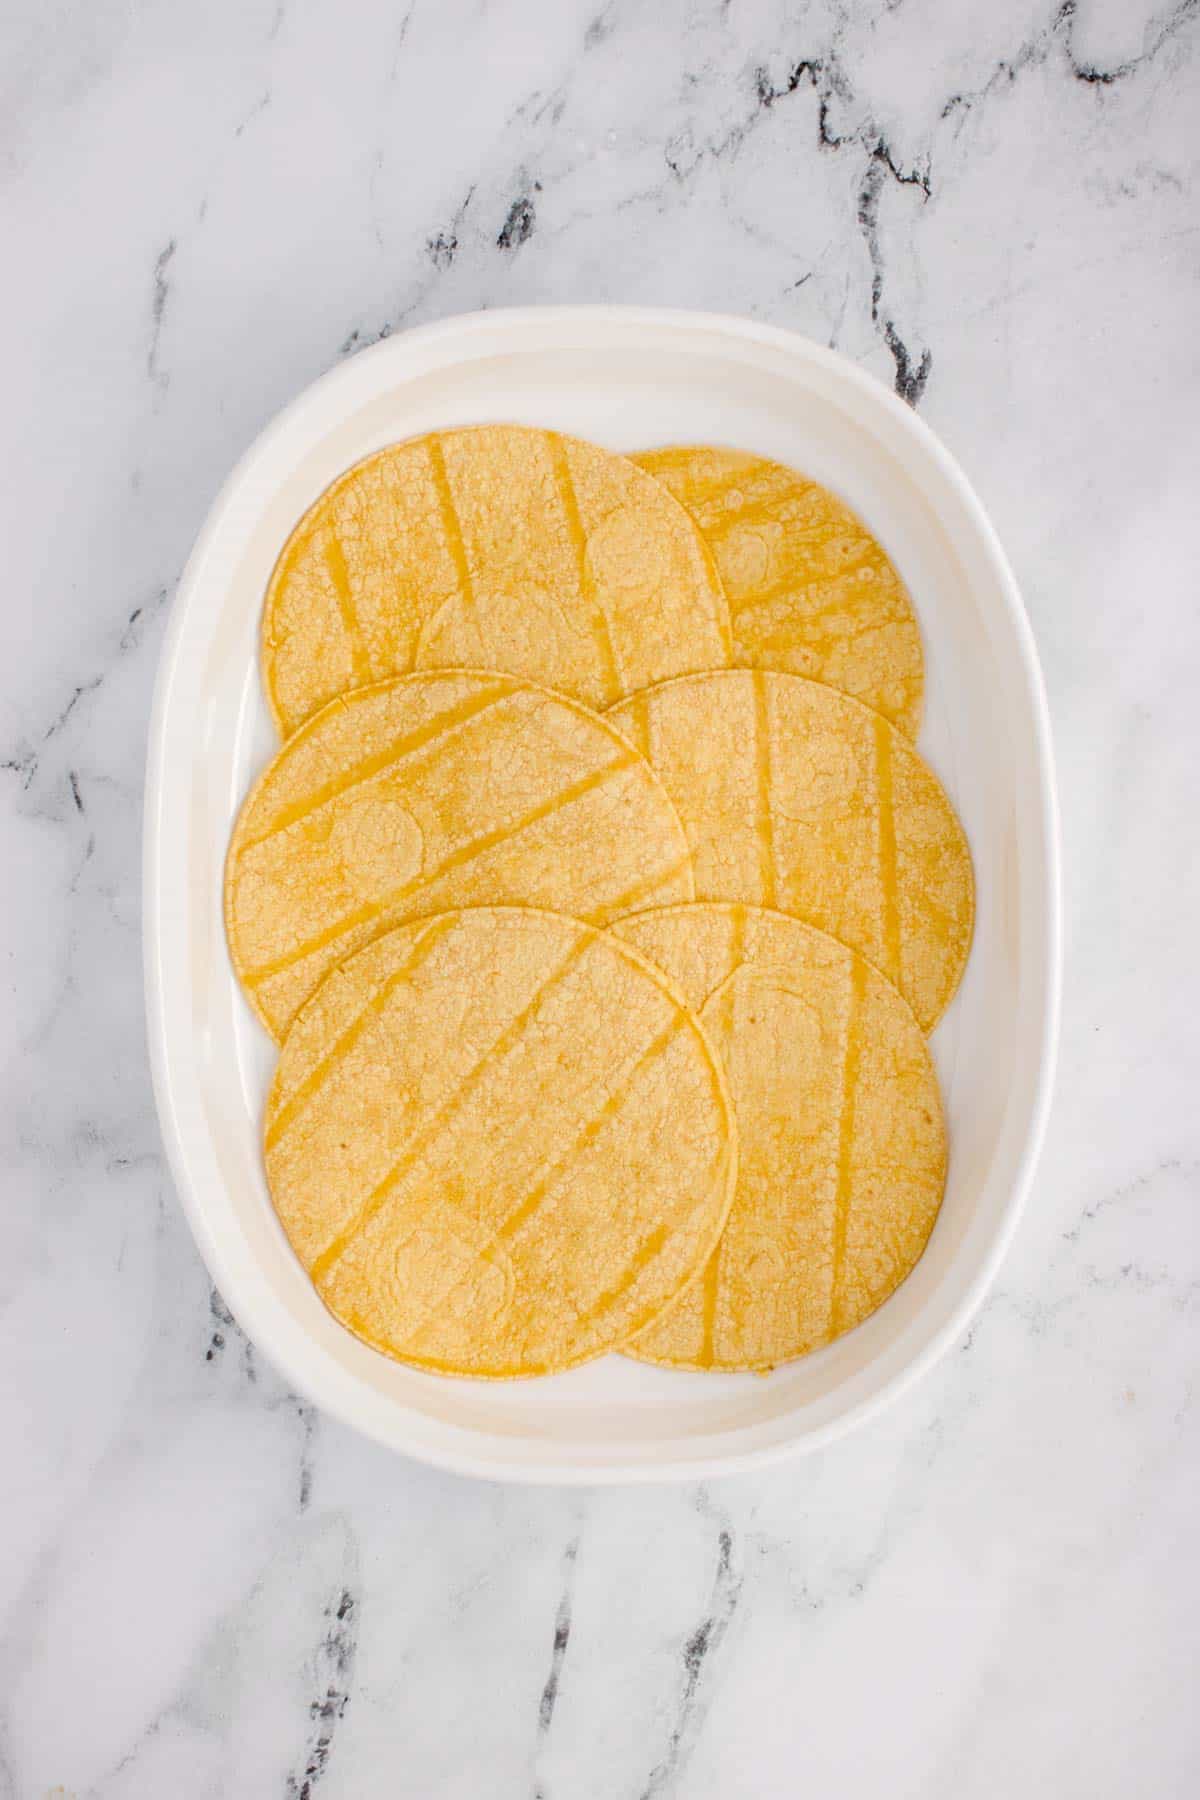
[206, 1589]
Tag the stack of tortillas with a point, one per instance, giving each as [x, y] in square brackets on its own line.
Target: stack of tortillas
[600, 906]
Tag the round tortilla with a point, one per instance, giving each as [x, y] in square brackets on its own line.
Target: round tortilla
[795, 796]
[841, 1142]
[433, 791]
[499, 1142]
[810, 590]
[499, 547]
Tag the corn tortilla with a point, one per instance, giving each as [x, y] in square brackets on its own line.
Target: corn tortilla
[810, 590]
[797, 797]
[499, 1142]
[842, 1147]
[434, 791]
[495, 546]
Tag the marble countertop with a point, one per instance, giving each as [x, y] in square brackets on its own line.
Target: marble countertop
[207, 1589]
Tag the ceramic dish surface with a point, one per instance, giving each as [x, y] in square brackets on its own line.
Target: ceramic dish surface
[630, 379]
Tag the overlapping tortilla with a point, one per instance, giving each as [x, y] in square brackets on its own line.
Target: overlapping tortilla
[810, 590]
[842, 1148]
[499, 1142]
[795, 796]
[494, 546]
[433, 791]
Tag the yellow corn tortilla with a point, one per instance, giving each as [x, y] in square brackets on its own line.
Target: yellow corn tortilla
[499, 1142]
[842, 1147]
[810, 590]
[433, 791]
[499, 547]
[797, 797]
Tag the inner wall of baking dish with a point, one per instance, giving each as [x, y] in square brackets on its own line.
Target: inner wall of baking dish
[629, 399]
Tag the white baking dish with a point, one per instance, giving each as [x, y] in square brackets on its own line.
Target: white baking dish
[628, 378]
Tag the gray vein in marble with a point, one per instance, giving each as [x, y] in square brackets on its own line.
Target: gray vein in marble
[850, 1580]
[224, 1328]
[826, 78]
[131, 636]
[158, 307]
[442, 248]
[25, 761]
[1169, 1165]
[307, 1414]
[542, 103]
[308, 1419]
[334, 1674]
[600, 28]
[248, 118]
[1060, 33]
[401, 36]
[1095, 77]
[518, 226]
[558, 1649]
[358, 339]
[224, 1322]
[25, 758]
[698, 1656]
[135, 1750]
